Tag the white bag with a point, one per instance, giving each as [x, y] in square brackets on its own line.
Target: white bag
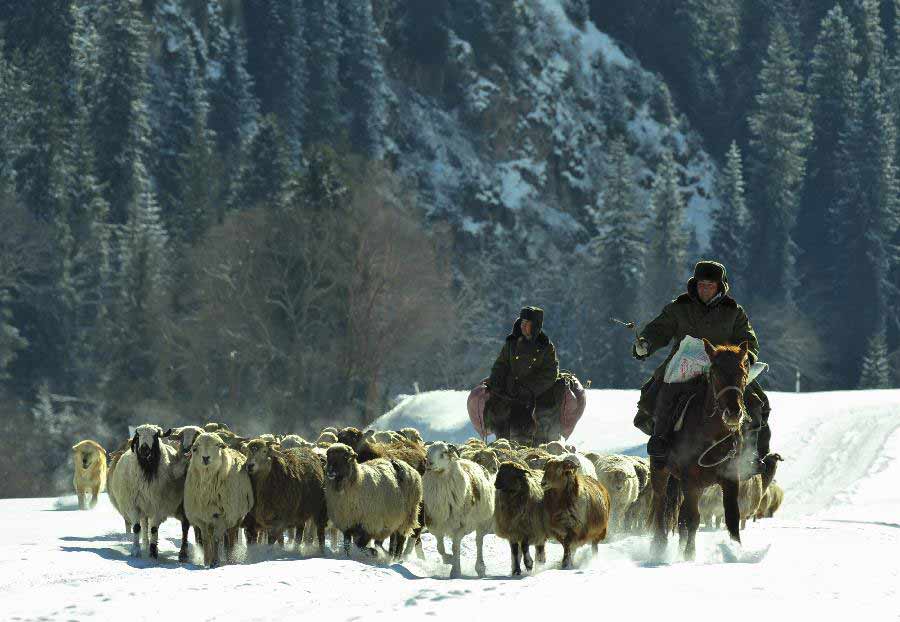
[691, 361]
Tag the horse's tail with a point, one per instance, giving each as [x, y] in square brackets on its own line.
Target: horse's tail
[673, 504]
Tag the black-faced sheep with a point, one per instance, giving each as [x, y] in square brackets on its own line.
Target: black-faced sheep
[217, 494]
[519, 514]
[89, 460]
[459, 499]
[376, 499]
[289, 488]
[148, 485]
[577, 507]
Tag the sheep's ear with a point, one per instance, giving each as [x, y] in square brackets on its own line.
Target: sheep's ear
[74, 447]
[134, 442]
[167, 433]
[453, 450]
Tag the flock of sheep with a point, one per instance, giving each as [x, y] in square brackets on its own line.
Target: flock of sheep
[375, 486]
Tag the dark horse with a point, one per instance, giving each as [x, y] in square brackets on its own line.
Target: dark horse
[706, 450]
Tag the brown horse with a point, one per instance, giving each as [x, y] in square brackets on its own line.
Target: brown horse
[706, 450]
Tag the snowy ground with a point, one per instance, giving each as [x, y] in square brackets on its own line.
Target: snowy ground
[830, 555]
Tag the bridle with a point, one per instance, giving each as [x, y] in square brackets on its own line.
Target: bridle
[731, 435]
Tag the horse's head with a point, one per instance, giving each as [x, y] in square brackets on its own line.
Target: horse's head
[728, 375]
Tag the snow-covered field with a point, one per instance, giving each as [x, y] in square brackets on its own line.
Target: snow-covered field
[833, 552]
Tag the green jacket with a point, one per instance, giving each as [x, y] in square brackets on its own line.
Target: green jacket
[525, 368]
[722, 322]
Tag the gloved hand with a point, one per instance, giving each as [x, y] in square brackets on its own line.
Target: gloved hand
[640, 349]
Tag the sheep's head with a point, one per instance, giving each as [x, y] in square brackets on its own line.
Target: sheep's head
[487, 459]
[512, 477]
[558, 472]
[536, 460]
[340, 460]
[146, 440]
[556, 448]
[215, 427]
[440, 455]
[186, 435]
[502, 443]
[413, 435]
[293, 440]
[475, 442]
[259, 454]
[351, 437]
[327, 437]
[207, 450]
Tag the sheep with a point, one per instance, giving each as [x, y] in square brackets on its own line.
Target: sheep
[185, 435]
[292, 441]
[215, 427]
[501, 443]
[775, 499]
[577, 507]
[413, 435]
[327, 437]
[711, 507]
[458, 500]
[619, 478]
[89, 460]
[637, 515]
[384, 436]
[555, 448]
[217, 494]
[519, 514]
[148, 485]
[487, 459]
[289, 488]
[376, 499]
[750, 493]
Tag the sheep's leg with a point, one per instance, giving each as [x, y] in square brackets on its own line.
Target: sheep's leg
[185, 531]
[320, 534]
[479, 555]
[347, 539]
[456, 566]
[442, 550]
[154, 539]
[743, 523]
[401, 547]
[145, 533]
[690, 511]
[136, 539]
[95, 496]
[362, 542]
[526, 555]
[732, 512]
[540, 553]
[231, 537]
[82, 504]
[514, 553]
[567, 553]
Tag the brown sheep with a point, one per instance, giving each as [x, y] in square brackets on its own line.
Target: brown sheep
[289, 488]
[89, 461]
[519, 514]
[577, 507]
[774, 497]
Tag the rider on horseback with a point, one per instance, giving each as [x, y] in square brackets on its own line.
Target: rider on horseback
[704, 311]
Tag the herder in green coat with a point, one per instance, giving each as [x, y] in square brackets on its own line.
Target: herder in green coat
[704, 311]
[525, 397]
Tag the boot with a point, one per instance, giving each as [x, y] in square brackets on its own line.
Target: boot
[658, 445]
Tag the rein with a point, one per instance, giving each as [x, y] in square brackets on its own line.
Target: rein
[731, 452]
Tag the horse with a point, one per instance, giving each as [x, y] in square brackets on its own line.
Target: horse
[706, 449]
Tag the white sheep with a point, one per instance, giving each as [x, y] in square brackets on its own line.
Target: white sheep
[293, 441]
[217, 494]
[148, 486]
[617, 474]
[373, 500]
[582, 463]
[459, 499]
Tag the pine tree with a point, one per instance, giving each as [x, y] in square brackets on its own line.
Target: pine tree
[119, 121]
[780, 135]
[266, 171]
[323, 36]
[141, 292]
[876, 369]
[618, 250]
[180, 137]
[278, 60]
[424, 30]
[362, 77]
[12, 100]
[728, 240]
[864, 221]
[872, 37]
[834, 93]
[234, 110]
[578, 11]
[668, 242]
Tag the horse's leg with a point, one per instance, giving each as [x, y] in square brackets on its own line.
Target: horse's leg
[690, 519]
[732, 512]
[658, 479]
